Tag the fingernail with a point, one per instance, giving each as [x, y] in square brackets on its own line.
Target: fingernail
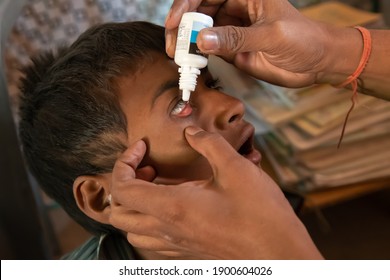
[208, 40]
[192, 130]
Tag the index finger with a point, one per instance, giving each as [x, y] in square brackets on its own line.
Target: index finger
[178, 8]
[222, 157]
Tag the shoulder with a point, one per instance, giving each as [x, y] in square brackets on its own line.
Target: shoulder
[87, 251]
[105, 247]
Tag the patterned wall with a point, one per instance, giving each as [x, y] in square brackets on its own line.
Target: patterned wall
[47, 24]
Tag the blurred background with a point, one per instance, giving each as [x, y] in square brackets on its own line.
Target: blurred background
[343, 197]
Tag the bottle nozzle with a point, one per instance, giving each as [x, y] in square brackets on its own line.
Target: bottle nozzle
[187, 81]
[186, 93]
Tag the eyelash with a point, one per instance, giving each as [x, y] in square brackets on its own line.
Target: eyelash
[214, 84]
[184, 109]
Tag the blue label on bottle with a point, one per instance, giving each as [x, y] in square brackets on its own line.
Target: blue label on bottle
[196, 27]
[194, 35]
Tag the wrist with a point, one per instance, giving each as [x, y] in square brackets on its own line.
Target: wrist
[344, 48]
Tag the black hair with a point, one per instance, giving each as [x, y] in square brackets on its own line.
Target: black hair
[71, 123]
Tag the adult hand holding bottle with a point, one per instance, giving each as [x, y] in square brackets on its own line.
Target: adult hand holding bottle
[273, 41]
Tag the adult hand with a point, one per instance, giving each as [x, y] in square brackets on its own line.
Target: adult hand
[239, 213]
[270, 40]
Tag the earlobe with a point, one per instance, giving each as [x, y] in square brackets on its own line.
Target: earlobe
[92, 197]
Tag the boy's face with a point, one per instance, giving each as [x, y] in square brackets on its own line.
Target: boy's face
[151, 99]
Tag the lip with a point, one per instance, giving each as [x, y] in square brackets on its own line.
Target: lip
[246, 145]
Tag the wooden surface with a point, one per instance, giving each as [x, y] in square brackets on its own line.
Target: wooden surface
[331, 196]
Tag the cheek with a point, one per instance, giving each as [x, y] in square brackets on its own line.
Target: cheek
[169, 152]
[168, 145]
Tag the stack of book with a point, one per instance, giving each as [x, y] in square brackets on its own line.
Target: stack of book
[299, 129]
[302, 144]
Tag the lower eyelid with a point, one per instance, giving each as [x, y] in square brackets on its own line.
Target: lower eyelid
[184, 112]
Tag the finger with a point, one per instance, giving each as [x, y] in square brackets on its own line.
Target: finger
[140, 225]
[172, 21]
[173, 254]
[173, 18]
[127, 163]
[227, 40]
[224, 160]
[213, 147]
[146, 173]
[135, 222]
[159, 246]
[178, 8]
[148, 243]
[168, 204]
[136, 194]
[149, 198]
[170, 41]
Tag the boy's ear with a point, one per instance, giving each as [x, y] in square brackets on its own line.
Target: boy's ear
[91, 194]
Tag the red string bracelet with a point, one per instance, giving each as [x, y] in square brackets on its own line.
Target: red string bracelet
[353, 78]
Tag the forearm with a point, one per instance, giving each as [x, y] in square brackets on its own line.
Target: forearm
[345, 47]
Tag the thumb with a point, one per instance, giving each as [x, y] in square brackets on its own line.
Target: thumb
[219, 153]
[126, 165]
[227, 40]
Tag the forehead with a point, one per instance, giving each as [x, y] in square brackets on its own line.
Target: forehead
[137, 91]
[151, 73]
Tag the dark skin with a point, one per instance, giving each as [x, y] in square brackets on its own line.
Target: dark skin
[230, 198]
[154, 111]
[264, 39]
[154, 114]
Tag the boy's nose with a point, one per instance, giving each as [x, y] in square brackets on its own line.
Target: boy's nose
[225, 111]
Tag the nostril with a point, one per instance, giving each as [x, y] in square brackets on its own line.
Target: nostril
[233, 118]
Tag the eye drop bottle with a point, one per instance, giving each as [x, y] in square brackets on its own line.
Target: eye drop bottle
[187, 55]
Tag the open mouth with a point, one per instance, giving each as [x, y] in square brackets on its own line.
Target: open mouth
[247, 149]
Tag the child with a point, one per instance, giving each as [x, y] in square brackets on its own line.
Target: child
[82, 107]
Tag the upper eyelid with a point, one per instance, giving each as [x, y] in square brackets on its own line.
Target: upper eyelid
[204, 71]
[207, 76]
[173, 103]
[164, 88]
[213, 83]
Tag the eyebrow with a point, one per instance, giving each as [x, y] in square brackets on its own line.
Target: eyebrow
[167, 85]
[163, 88]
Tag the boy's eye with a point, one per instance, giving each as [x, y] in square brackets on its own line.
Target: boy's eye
[214, 84]
[182, 109]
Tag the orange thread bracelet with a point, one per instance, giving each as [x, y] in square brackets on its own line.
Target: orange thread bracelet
[353, 78]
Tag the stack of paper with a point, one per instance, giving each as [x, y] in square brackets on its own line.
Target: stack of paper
[300, 128]
[307, 125]
[303, 143]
